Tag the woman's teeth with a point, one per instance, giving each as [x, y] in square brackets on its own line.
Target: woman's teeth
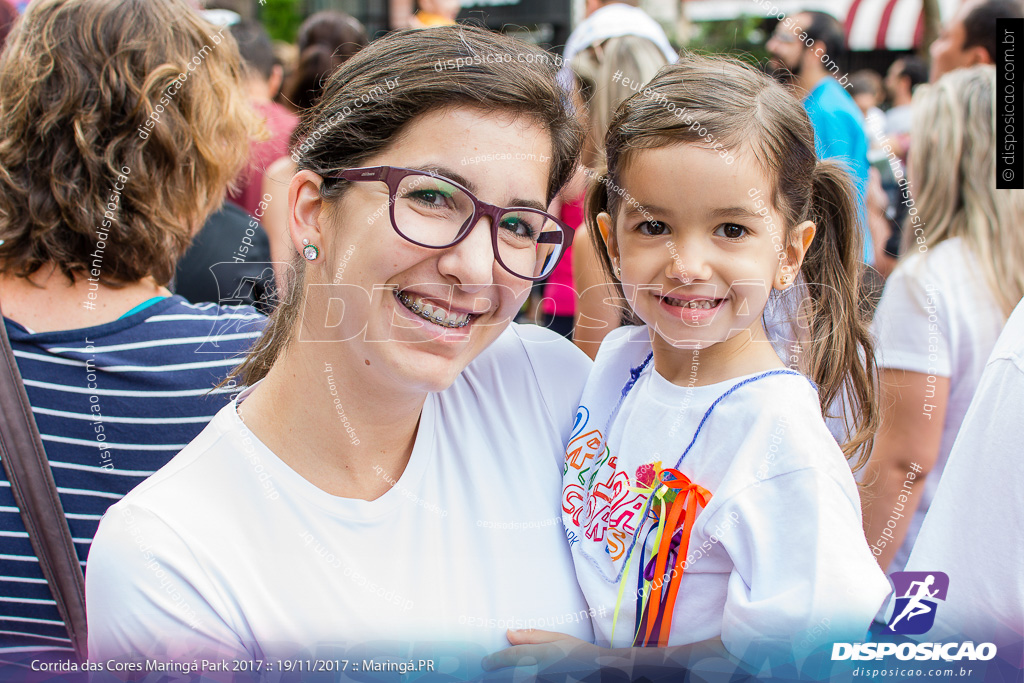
[433, 312]
[696, 303]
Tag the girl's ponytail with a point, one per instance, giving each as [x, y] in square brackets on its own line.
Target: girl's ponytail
[840, 352]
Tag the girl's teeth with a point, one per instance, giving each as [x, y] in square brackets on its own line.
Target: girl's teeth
[703, 304]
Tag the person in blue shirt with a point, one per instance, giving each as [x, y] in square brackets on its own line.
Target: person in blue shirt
[110, 163]
[806, 50]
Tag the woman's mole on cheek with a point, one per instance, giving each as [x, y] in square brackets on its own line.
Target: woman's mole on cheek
[367, 361]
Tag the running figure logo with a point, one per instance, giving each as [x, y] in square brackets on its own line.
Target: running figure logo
[916, 595]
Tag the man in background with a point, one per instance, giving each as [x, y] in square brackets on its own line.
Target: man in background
[970, 36]
[905, 74]
[806, 53]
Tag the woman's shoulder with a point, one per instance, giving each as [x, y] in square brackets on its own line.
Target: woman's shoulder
[171, 352]
[526, 365]
[523, 346]
[946, 265]
[943, 286]
[194, 476]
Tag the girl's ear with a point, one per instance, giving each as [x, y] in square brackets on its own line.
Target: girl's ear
[604, 224]
[803, 235]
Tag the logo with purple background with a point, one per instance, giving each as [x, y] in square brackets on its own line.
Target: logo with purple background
[916, 599]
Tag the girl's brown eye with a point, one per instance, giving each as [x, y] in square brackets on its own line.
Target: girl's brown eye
[732, 231]
[652, 228]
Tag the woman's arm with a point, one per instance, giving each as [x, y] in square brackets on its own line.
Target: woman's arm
[596, 312]
[906, 449]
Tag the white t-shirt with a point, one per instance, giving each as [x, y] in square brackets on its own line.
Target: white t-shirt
[937, 317]
[974, 531]
[898, 119]
[874, 125]
[778, 555]
[228, 551]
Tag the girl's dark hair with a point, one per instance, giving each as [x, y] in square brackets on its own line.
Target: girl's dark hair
[326, 40]
[745, 112]
[396, 80]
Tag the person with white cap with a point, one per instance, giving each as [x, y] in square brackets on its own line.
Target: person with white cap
[611, 19]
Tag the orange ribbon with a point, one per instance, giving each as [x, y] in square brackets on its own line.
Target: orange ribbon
[689, 503]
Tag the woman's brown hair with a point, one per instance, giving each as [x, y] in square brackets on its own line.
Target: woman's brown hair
[395, 80]
[121, 125]
[721, 99]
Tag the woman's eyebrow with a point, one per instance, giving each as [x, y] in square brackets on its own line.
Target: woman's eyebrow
[447, 173]
[471, 186]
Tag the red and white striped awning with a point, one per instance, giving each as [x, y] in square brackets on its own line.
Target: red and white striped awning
[889, 24]
[870, 24]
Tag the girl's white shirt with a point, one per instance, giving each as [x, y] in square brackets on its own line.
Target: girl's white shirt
[778, 557]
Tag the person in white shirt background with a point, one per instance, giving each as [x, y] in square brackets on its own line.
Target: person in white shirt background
[980, 490]
[902, 78]
[612, 19]
[704, 497]
[391, 474]
[866, 90]
[943, 307]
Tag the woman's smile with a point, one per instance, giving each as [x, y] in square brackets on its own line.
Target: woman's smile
[433, 311]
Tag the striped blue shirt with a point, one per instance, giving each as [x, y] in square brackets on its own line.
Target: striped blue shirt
[113, 404]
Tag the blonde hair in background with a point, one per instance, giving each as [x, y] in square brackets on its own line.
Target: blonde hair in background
[635, 58]
[953, 170]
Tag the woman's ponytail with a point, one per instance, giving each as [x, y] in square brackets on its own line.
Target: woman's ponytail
[840, 351]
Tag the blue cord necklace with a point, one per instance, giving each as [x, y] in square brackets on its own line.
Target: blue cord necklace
[634, 375]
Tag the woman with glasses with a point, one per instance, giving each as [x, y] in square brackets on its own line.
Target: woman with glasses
[390, 479]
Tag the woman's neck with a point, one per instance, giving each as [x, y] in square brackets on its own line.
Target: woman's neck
[744, 353]
[330, 423]
[48, 301]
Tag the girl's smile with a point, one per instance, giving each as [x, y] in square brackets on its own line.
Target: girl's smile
[692, 310]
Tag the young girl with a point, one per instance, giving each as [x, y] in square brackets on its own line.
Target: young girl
[704, 498]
